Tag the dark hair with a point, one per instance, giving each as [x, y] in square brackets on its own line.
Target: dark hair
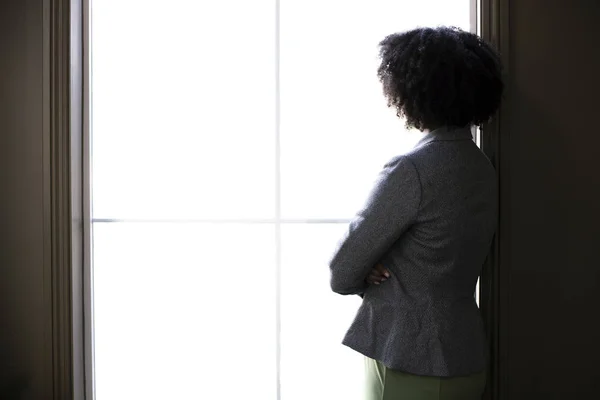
[440, 77]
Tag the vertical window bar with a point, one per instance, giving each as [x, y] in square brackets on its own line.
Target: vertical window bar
[474, 26]
[88, 279]
[278, 197]
[473, 20]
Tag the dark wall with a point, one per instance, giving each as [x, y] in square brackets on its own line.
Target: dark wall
[25, 365]
[551, 205]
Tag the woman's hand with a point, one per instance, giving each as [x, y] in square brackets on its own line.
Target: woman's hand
[378, 275]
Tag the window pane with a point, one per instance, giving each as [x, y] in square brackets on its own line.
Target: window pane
[314, 364]
[183, 108]
[337, 132]
[184, 311]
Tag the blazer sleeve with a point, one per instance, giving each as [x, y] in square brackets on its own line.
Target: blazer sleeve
[390, 210]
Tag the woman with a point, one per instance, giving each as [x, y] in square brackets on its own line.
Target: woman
[415, 251]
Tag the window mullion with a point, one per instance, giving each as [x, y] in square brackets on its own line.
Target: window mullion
[278, 196]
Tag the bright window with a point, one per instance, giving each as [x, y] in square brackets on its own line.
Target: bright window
[232, 142]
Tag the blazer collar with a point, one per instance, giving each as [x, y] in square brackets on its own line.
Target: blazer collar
[444, 134]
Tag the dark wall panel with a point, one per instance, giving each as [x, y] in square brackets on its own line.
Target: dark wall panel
[25, 368]
[552, 144]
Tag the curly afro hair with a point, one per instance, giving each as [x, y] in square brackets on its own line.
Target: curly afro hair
[440, 77]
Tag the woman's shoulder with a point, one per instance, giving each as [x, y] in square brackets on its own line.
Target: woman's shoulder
[400, 161]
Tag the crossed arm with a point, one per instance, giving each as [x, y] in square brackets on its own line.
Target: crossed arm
[390, 210]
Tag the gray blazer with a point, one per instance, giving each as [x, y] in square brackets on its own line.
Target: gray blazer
[430, 221]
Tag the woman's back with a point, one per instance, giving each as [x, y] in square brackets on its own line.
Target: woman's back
[458, 212]
[424, 319]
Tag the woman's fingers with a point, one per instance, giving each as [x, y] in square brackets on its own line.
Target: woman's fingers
[382, 270]
[378, 275]
[375, 279]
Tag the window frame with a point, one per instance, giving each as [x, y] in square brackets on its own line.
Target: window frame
[68, 116]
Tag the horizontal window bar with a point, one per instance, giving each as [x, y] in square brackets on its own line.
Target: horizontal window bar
[225, 221]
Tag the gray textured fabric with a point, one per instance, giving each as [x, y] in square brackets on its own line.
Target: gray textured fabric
[430, 220]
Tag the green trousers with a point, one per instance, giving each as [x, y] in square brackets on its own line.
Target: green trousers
[383, 383]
